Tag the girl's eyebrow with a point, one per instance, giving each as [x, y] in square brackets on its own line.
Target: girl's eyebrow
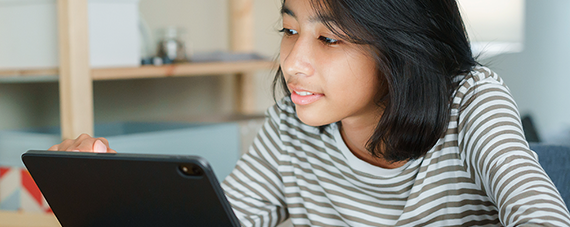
[285, 10]
[312, 19]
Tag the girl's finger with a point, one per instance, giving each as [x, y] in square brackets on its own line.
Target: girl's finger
[54, 147]
[87, 145]
[65, 144]
[99, 147]
[104, 140]
[77, 144]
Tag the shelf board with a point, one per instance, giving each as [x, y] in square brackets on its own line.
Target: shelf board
[206, 118]
[184, 69]
[28, 75]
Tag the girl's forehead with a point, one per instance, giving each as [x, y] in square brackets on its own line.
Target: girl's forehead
[295, 8]
[304, 9]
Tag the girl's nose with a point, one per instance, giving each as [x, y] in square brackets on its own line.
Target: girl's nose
[299, 59]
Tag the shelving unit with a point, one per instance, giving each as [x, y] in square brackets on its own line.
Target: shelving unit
[76, 78]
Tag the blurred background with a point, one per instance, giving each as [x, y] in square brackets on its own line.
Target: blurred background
[525, 41]
[152, 108]
[205, 26]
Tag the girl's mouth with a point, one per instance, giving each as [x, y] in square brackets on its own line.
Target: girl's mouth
[303, 93]
[304, 97]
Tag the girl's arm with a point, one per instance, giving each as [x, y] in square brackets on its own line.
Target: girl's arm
[493, 146]
[255, 188]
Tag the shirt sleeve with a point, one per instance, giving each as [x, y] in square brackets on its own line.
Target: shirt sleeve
[493, 146]
[255, 187]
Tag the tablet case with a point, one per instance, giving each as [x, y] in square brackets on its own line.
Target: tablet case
[104, 189]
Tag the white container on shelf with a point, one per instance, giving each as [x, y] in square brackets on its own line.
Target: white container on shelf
[28, 34]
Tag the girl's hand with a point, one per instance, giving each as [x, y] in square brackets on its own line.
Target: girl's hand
[84, 143]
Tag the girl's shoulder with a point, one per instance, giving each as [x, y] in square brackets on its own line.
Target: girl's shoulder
[475, 83]
[478, 75]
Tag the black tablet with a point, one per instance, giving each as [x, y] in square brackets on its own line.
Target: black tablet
[103, 189]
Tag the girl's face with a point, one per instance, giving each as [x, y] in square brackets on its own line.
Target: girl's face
[330, 80]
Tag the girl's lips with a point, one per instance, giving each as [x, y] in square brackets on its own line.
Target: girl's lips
[304, 97]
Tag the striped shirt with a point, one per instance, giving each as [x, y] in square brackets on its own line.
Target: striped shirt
[480, 173]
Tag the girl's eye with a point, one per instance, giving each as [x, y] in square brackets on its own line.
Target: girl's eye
[328, 41]
[288, 32]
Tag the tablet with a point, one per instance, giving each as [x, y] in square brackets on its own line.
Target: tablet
[104, 189]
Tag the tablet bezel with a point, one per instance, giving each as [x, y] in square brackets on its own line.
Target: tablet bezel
[55, 172]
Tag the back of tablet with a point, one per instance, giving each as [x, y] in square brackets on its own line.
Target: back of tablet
[89, 189]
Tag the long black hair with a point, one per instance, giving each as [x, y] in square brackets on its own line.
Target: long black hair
[419, 46]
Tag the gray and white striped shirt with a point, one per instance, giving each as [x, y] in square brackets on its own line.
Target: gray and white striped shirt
[480, 173]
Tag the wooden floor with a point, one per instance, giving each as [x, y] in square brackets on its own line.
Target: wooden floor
[19, 219]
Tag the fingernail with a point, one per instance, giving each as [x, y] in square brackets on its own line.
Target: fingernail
[99, 147]
[75, 150]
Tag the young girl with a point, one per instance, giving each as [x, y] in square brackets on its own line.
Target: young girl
[387, 120]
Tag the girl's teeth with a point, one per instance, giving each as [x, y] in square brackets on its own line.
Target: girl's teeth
[303, 93]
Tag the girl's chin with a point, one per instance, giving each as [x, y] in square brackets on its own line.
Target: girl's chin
[313, 119]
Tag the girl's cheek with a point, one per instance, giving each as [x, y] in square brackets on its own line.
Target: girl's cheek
[286, 45]
[285, 50]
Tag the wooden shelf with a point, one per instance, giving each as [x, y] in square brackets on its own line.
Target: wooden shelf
[185, 69]
[75, 76]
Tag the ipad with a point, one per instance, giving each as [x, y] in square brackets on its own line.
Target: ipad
[104, 189]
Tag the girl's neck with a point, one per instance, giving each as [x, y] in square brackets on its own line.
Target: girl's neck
[356, 134]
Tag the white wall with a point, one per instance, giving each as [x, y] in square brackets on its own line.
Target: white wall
[492, 20]
[538, 77]
[206, 22]
[22, 106]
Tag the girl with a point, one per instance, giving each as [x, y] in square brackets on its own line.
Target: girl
[387, 120]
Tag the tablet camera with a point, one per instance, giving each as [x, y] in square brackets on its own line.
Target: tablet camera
[191, 170]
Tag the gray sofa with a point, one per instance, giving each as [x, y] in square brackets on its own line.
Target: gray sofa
[555, 160]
